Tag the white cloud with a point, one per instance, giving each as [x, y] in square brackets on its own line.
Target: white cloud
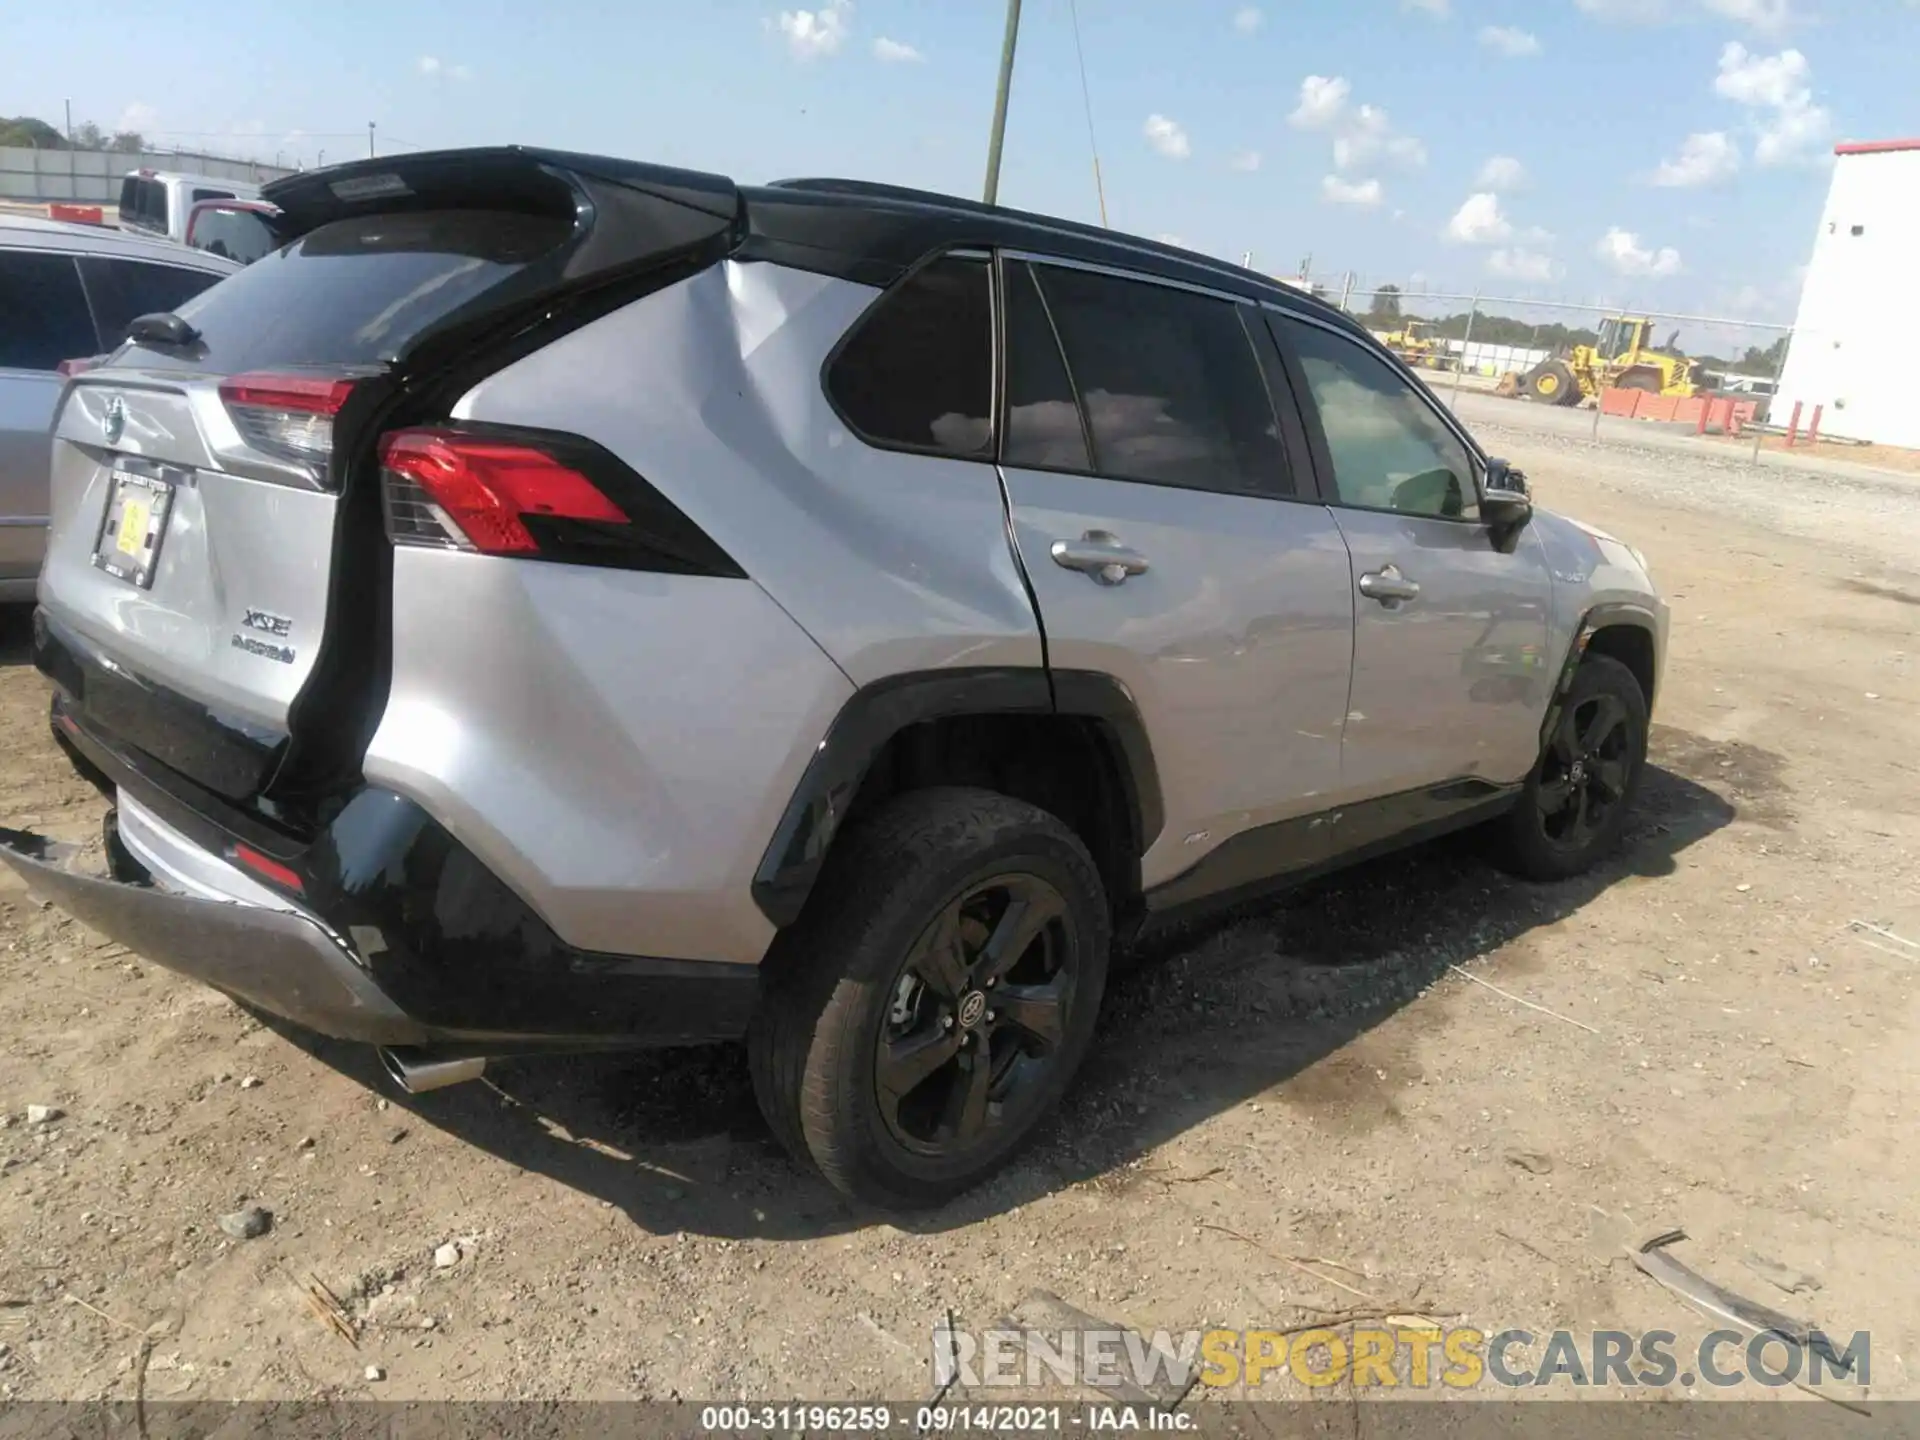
[1502, 172]
[429, 65]
[1769, 17]
[1322, 100]
[461, 72]
[1751, 79]
[1633, 12]
[1367, 134]
[434, 68]
[1367, 193]
[1625, 255]
[138, 117]
[1246, 161]
[1794, 131]
[895, 51]
[1779, 84]
[1248, 19]
[812, 34]
[1439, 9]
[1522, 264]
[1478, 221]
[1167, 137]
[1510, 40]
[1704, 158]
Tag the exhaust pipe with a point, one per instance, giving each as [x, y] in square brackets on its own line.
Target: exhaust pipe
[415, 1071]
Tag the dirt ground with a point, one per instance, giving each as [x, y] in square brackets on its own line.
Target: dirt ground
[1309, 1080]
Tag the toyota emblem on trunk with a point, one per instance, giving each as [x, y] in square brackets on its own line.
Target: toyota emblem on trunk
[116, 420]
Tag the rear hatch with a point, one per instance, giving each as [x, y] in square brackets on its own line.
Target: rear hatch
[215, 587]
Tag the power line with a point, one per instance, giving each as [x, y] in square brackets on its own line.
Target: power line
[1086, 101]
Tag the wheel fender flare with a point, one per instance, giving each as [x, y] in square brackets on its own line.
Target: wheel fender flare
[876, 713]
[1597, 618]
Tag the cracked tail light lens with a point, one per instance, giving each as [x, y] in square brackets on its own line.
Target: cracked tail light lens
[289, 417]
[469, 492]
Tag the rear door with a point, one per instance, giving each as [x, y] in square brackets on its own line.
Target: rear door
[1155, 509]
[43, 320]
[1450, 678]
[194, 499]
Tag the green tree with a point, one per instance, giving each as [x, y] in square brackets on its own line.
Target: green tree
[1386, 305]
[128, 142]
[25, 130]
[88, 136]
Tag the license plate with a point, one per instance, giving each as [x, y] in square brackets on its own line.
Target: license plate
[131, 530]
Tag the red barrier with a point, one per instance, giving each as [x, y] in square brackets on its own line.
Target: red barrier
[77, 214]
[1793, 425]
[1813, 430]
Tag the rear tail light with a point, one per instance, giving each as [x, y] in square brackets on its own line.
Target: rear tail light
[496, 496]
[287, 416]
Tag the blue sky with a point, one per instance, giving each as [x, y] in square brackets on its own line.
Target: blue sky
[1667, 153]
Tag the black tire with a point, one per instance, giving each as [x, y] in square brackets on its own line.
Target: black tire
[1575, 804]
[926, 883]
[1643, 378]
[1552, 382]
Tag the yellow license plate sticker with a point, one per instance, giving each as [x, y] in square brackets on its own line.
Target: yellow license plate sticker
[135, 515]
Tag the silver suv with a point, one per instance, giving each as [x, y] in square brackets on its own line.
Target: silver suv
[67, 292]
[558, 603]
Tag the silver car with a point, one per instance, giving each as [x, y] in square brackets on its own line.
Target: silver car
[560, 603]
[66, 292]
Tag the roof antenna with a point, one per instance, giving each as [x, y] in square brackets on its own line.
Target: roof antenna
[1086, 100]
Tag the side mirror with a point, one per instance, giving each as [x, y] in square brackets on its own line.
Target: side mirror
[1505, 503]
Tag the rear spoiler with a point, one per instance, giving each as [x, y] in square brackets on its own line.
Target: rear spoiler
[624, 216]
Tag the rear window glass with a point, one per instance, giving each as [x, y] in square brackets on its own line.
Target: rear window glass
[143, 203]
[354, 292]
[236, 234]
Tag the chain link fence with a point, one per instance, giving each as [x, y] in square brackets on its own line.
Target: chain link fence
[1631, 366]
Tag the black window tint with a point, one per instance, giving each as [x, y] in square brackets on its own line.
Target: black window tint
[124, 290]
[43, 312]
[199, 195]
[1043, 419]
[1172, 388]
[356, 291]
[918, 370]
[1390, 450]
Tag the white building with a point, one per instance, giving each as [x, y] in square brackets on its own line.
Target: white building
[1852, 348]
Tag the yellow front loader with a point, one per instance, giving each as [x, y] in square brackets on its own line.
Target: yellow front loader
[1623, 357]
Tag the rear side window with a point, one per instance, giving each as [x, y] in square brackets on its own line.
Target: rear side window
[235, 234]
[124, 290]
[43, 312]
[917, 371]
[355, 292]
[1170, 383]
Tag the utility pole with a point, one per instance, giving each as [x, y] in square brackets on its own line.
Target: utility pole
[369, 139]
[69, 122]
[1000, 101]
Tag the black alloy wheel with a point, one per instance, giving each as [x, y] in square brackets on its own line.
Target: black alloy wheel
[1588, 764]
[977, 1016]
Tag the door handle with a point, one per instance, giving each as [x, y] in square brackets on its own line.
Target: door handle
[1388, 585]
[1099, 554]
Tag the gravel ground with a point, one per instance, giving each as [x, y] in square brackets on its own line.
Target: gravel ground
[1308, 1079]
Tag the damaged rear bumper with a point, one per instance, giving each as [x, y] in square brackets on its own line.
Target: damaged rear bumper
[280, 960]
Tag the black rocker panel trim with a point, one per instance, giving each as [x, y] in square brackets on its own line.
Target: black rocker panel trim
[1287, 852]
[880, 711]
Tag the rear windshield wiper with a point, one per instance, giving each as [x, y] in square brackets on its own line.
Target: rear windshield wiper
[162, 327]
